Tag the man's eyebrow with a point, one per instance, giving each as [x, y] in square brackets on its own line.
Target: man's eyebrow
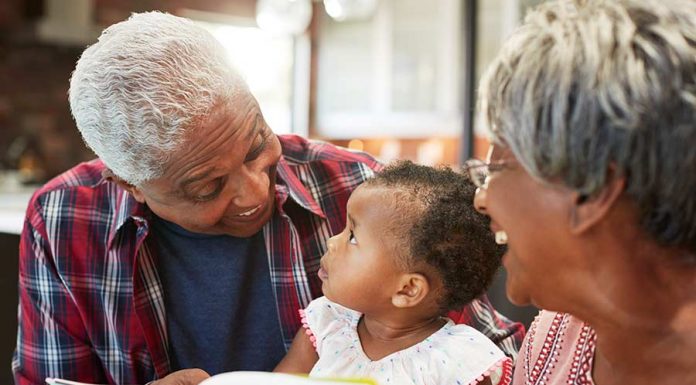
[203, 175]
[257, 127]
[200, 176]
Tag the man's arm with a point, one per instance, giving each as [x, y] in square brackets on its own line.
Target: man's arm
[52, 340]
[301, 357]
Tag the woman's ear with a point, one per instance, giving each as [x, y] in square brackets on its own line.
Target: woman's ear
[588, 210]
[413, 288]
[134, 191]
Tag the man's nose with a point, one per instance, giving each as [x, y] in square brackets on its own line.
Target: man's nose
[480, 200]
[251, 189]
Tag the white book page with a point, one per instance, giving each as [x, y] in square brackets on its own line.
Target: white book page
[249, 378]
[256, 378]
[60, 381]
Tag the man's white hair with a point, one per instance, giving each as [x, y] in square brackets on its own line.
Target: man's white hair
[593, 88]
[147, 80]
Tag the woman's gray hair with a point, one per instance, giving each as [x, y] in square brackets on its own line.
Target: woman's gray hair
[146, 82]
[587, 90]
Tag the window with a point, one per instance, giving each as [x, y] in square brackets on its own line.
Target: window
[270, 65]
[394, 75]
[497, 19]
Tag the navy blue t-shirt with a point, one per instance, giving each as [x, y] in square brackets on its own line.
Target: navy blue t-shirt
[220, 307]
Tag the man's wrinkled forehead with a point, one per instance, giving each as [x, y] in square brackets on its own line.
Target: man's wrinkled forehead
[234, 124]
[235, 110]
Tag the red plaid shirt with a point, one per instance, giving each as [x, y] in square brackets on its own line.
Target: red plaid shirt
[91, 306]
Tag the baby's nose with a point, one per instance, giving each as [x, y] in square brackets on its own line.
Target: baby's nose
[331, 245]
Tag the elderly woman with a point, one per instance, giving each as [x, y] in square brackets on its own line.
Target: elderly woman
[591, 182]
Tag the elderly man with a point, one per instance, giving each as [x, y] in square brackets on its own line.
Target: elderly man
[195, 237]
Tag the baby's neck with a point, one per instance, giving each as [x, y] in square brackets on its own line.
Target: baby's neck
[381, 338]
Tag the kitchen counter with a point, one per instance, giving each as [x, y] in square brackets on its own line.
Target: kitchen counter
[14, 198]
[13, 205]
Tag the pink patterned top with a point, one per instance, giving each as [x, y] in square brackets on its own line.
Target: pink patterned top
[559, 349]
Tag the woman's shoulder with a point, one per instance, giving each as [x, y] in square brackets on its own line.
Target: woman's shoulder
[551, 326]
[559, 347]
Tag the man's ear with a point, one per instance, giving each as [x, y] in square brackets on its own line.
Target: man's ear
[136, 192]
[414, 287]
[588, 210]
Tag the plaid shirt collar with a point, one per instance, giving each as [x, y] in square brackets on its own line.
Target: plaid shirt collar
[127, 208]
[288, 184]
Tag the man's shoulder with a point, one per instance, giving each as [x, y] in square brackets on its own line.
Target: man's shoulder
[321, 173]
[79, 187]
[86, 174]
[298, 151]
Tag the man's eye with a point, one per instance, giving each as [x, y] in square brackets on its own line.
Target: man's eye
[351, 238]
[257, 149]
[209, 192]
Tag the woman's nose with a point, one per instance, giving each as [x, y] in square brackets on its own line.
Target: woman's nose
[480, 200]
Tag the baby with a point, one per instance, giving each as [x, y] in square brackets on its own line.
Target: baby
[413, 248]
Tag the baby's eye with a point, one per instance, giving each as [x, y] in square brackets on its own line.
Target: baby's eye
[351, 238]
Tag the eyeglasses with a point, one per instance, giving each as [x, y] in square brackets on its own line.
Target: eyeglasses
[480, 171]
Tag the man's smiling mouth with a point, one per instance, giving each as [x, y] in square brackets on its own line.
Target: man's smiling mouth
[249, 212]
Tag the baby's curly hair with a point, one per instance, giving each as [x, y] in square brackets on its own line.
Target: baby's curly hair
[435, 222]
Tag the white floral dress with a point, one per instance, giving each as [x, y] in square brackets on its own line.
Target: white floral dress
[455, 354]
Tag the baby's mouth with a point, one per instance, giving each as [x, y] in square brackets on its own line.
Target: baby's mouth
[322, 273]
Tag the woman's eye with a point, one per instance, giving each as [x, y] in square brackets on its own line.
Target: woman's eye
[351, 238]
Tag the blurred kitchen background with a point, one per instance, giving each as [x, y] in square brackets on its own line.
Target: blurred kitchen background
[395, 78]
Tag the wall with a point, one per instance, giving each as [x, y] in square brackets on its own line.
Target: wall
[35, 117]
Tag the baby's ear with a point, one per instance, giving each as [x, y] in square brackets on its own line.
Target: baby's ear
[414, 287]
